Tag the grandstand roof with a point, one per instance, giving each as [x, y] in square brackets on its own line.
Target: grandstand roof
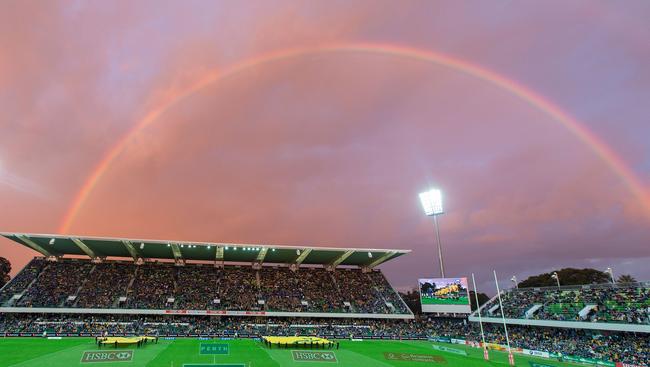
[60, 245]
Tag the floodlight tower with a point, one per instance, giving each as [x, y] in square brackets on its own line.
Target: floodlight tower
[432, 204]
[514, 280]
[611, 274]
[556, 277]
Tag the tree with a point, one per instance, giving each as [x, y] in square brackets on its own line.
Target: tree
[412, 300]
[568, 276]
[482, 298]
[5, 269]
[626, 278]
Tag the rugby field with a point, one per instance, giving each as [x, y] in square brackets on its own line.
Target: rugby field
[41, 352]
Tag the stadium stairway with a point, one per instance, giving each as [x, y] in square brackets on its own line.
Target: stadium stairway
[11, 300]
[43, 269]
[584, 313]
[83, 283]
[531, 311]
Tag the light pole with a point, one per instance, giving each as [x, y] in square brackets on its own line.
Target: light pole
[611, 274]
[554, 276]
[432, 204]
[514, 280]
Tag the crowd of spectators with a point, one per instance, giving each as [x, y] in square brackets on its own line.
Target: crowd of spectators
[624, 303]
[387, 292]
[280, 289]
[319, 291]
[197, 287]
[153, 286]
[612, 346]
[238, 289]
[159, 285]
[107, 284]
[56, 283]
[366, 297]
[22, 280]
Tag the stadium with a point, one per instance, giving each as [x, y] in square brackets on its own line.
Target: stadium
[259, 305]
[214, 183]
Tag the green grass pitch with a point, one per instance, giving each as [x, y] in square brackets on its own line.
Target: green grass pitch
[68, 352]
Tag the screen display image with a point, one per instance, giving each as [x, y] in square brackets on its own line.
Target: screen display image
[444, 295]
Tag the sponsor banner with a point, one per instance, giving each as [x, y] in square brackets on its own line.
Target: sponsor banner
[537, 364]
[621, 364]
[92, 356]
[536, 353]
[309, 356]
[255, 313]
[214, 365]
[413, 357]
[206, 348]
[593, 362]
[458, 341]
[442, 348]
[440, 339]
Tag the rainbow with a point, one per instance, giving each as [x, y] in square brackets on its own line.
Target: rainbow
[602, 150]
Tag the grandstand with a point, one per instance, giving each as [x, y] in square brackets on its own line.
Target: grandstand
[616, 307]
[86, 288]
[172, 277]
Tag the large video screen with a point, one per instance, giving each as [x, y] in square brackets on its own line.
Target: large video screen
[444, 295]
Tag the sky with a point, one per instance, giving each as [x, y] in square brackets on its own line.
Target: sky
[288, 122]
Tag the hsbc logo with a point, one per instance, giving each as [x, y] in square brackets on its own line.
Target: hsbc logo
[91, 356]
[307, 356]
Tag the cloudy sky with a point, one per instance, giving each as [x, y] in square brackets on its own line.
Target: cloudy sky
[202, 134]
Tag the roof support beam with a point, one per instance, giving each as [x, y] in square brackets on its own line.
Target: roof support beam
[34, 245]
[84, 248]
[261, 255]
[380, 259]
[341, 258]
[131, 249]
[303, 255]
[178, 256]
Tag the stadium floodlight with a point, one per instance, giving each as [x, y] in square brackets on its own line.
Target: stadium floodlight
[556, 277]
[611, 274]
[432, 204]
[514, 280]
[52, 241]
[141, 245]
